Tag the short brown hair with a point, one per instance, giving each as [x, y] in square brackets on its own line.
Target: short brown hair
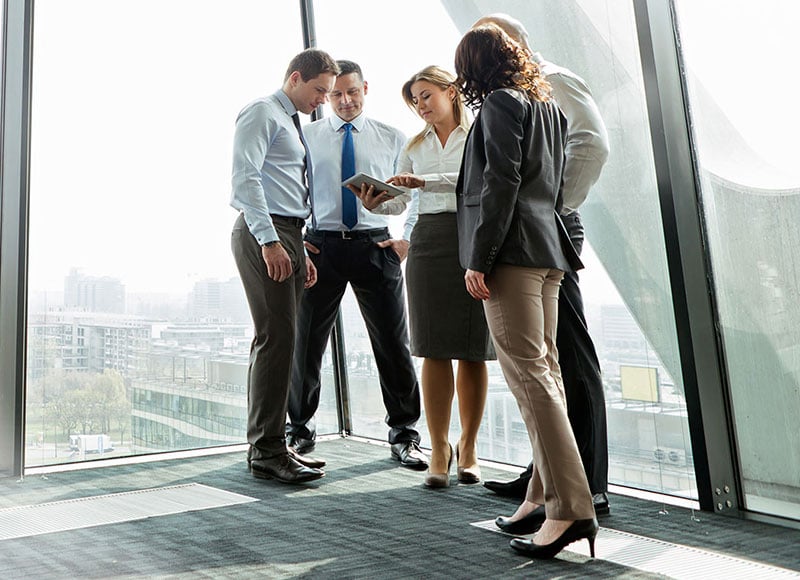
[311, 63]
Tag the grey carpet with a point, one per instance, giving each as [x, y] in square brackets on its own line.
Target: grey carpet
[368, 518]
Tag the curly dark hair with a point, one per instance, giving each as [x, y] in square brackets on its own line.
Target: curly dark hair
[488, 59]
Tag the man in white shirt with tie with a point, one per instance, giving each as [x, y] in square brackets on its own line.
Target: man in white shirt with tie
[349, 244]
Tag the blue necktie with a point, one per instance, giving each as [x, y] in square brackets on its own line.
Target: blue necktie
[349, 205]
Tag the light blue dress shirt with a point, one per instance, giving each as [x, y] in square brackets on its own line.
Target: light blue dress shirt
[268, 165]
[377, 149]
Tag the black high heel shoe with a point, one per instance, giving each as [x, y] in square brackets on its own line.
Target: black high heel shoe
[527, 524]
[579, 530]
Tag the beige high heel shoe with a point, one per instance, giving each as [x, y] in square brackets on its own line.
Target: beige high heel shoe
[440, 479]
[468, 475]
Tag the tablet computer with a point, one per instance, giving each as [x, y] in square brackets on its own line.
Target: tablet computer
[379, 185]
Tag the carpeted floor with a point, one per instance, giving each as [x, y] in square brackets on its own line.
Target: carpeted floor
[367, 518]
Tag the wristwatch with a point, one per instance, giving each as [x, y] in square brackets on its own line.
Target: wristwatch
[270, 244]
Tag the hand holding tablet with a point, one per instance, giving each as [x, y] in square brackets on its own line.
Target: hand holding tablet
[380, 186]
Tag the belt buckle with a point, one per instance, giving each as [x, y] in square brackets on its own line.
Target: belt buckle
[347, 235]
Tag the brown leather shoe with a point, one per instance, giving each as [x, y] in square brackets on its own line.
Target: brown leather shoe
[304, 460]
[284, 469]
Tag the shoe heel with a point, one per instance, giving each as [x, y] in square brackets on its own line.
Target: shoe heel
[591, 545]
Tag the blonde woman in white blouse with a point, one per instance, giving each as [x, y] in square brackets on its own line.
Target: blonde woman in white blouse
[446, 323]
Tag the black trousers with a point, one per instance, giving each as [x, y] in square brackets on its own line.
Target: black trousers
[580, 371]
[377, 281]
[273, 306]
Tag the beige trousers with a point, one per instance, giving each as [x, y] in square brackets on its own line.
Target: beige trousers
[522, 314]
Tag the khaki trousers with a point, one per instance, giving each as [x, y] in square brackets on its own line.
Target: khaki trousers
[522, 315]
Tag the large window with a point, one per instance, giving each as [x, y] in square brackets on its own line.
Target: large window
[138, 332]
[625, 284]
[741, 97]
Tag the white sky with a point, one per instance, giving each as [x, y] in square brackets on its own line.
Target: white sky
[135, 101]
[745, 53]
[134, 109]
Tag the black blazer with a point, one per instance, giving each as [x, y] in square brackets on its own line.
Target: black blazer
[508, 192]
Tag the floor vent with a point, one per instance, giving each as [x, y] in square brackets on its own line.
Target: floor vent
[73, 514]
[669, 560]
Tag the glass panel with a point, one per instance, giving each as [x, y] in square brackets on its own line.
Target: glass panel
[385, 104]
[138, 333]
[625, 284]
[750, 183]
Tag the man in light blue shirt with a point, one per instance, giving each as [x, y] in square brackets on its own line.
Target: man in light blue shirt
[350, 244]
[271, 192]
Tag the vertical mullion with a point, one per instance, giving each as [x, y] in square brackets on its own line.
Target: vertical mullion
[14, 184]
[699, 342]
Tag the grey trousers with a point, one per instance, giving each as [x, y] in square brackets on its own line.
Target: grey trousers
[522, 314]
[273, 306]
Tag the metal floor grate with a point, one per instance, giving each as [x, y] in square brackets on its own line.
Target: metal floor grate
[667, 559]
[73, 514]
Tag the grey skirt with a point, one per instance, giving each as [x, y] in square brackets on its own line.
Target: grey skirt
[444, 320]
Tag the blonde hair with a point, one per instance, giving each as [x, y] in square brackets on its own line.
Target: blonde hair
[443, 79]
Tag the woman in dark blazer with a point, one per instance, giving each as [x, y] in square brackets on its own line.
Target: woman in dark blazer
[515, 250]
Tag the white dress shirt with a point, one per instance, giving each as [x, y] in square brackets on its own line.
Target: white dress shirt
[438, 165]
[268, 165]
[377, 147]
[587, 139]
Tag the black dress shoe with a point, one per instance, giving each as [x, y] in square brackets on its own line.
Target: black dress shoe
[579, 530]
[284, 469]
[600, 502]
[307, 461]
[303, 460]
[516, 488]
[525, 525]
[409, 455]
[300, 444]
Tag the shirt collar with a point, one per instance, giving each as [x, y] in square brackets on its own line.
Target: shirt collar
[429, 130]
[285, 102]
[358, 123]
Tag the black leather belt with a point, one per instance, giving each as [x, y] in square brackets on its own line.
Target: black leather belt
[349, 235]
[295, 221]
